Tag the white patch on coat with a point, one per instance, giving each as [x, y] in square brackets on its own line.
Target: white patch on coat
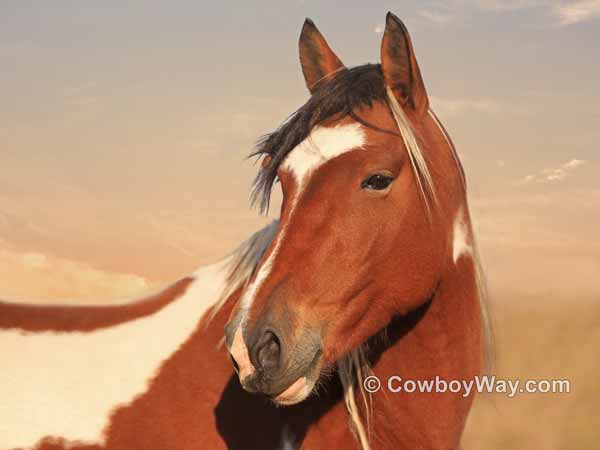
[461, 244]
[67, 384]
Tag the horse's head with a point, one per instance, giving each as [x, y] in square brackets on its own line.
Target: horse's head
[364, 233]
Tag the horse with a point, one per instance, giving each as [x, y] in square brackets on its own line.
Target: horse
[371, 270]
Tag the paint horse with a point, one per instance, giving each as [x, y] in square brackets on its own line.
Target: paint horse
[371, 270]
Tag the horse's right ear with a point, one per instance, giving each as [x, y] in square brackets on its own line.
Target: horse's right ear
[316, 57]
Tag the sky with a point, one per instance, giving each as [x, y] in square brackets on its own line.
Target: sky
[124, 130]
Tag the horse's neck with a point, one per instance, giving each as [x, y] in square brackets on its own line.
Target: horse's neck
[443, 338]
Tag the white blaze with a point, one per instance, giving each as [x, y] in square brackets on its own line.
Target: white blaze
[322, 145]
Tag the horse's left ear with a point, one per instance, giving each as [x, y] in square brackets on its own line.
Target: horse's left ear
[400, 68]
[316, 57]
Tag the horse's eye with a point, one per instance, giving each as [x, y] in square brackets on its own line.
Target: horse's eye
[377, 182]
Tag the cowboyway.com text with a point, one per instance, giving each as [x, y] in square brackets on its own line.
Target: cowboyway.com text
[480, 384]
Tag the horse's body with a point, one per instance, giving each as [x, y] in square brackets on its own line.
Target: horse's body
[71, 373]
[378, 276]
[134, 376]
[66, 383]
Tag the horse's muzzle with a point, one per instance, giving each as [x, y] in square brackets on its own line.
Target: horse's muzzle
[270, 362]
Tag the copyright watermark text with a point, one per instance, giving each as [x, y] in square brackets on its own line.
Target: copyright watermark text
[465, 387]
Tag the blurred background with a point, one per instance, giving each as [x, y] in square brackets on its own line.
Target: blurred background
[124, 130]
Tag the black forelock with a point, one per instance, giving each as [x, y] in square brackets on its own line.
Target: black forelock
[339, 96]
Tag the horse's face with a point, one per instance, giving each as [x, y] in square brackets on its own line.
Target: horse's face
[355, 246]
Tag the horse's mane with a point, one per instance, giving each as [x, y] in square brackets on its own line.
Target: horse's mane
[340, 96]
[244, 262]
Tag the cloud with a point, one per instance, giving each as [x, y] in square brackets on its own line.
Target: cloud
[34, 261]
[553, 174]
[39, 277]
[572, 12]
[457, 106]
[527, 179]
[436, 16]
[482, 105]
[507, 5]
[567, 12]
[574, 163]
[561, 12]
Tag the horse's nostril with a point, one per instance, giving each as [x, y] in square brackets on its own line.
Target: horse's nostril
[268, 352]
